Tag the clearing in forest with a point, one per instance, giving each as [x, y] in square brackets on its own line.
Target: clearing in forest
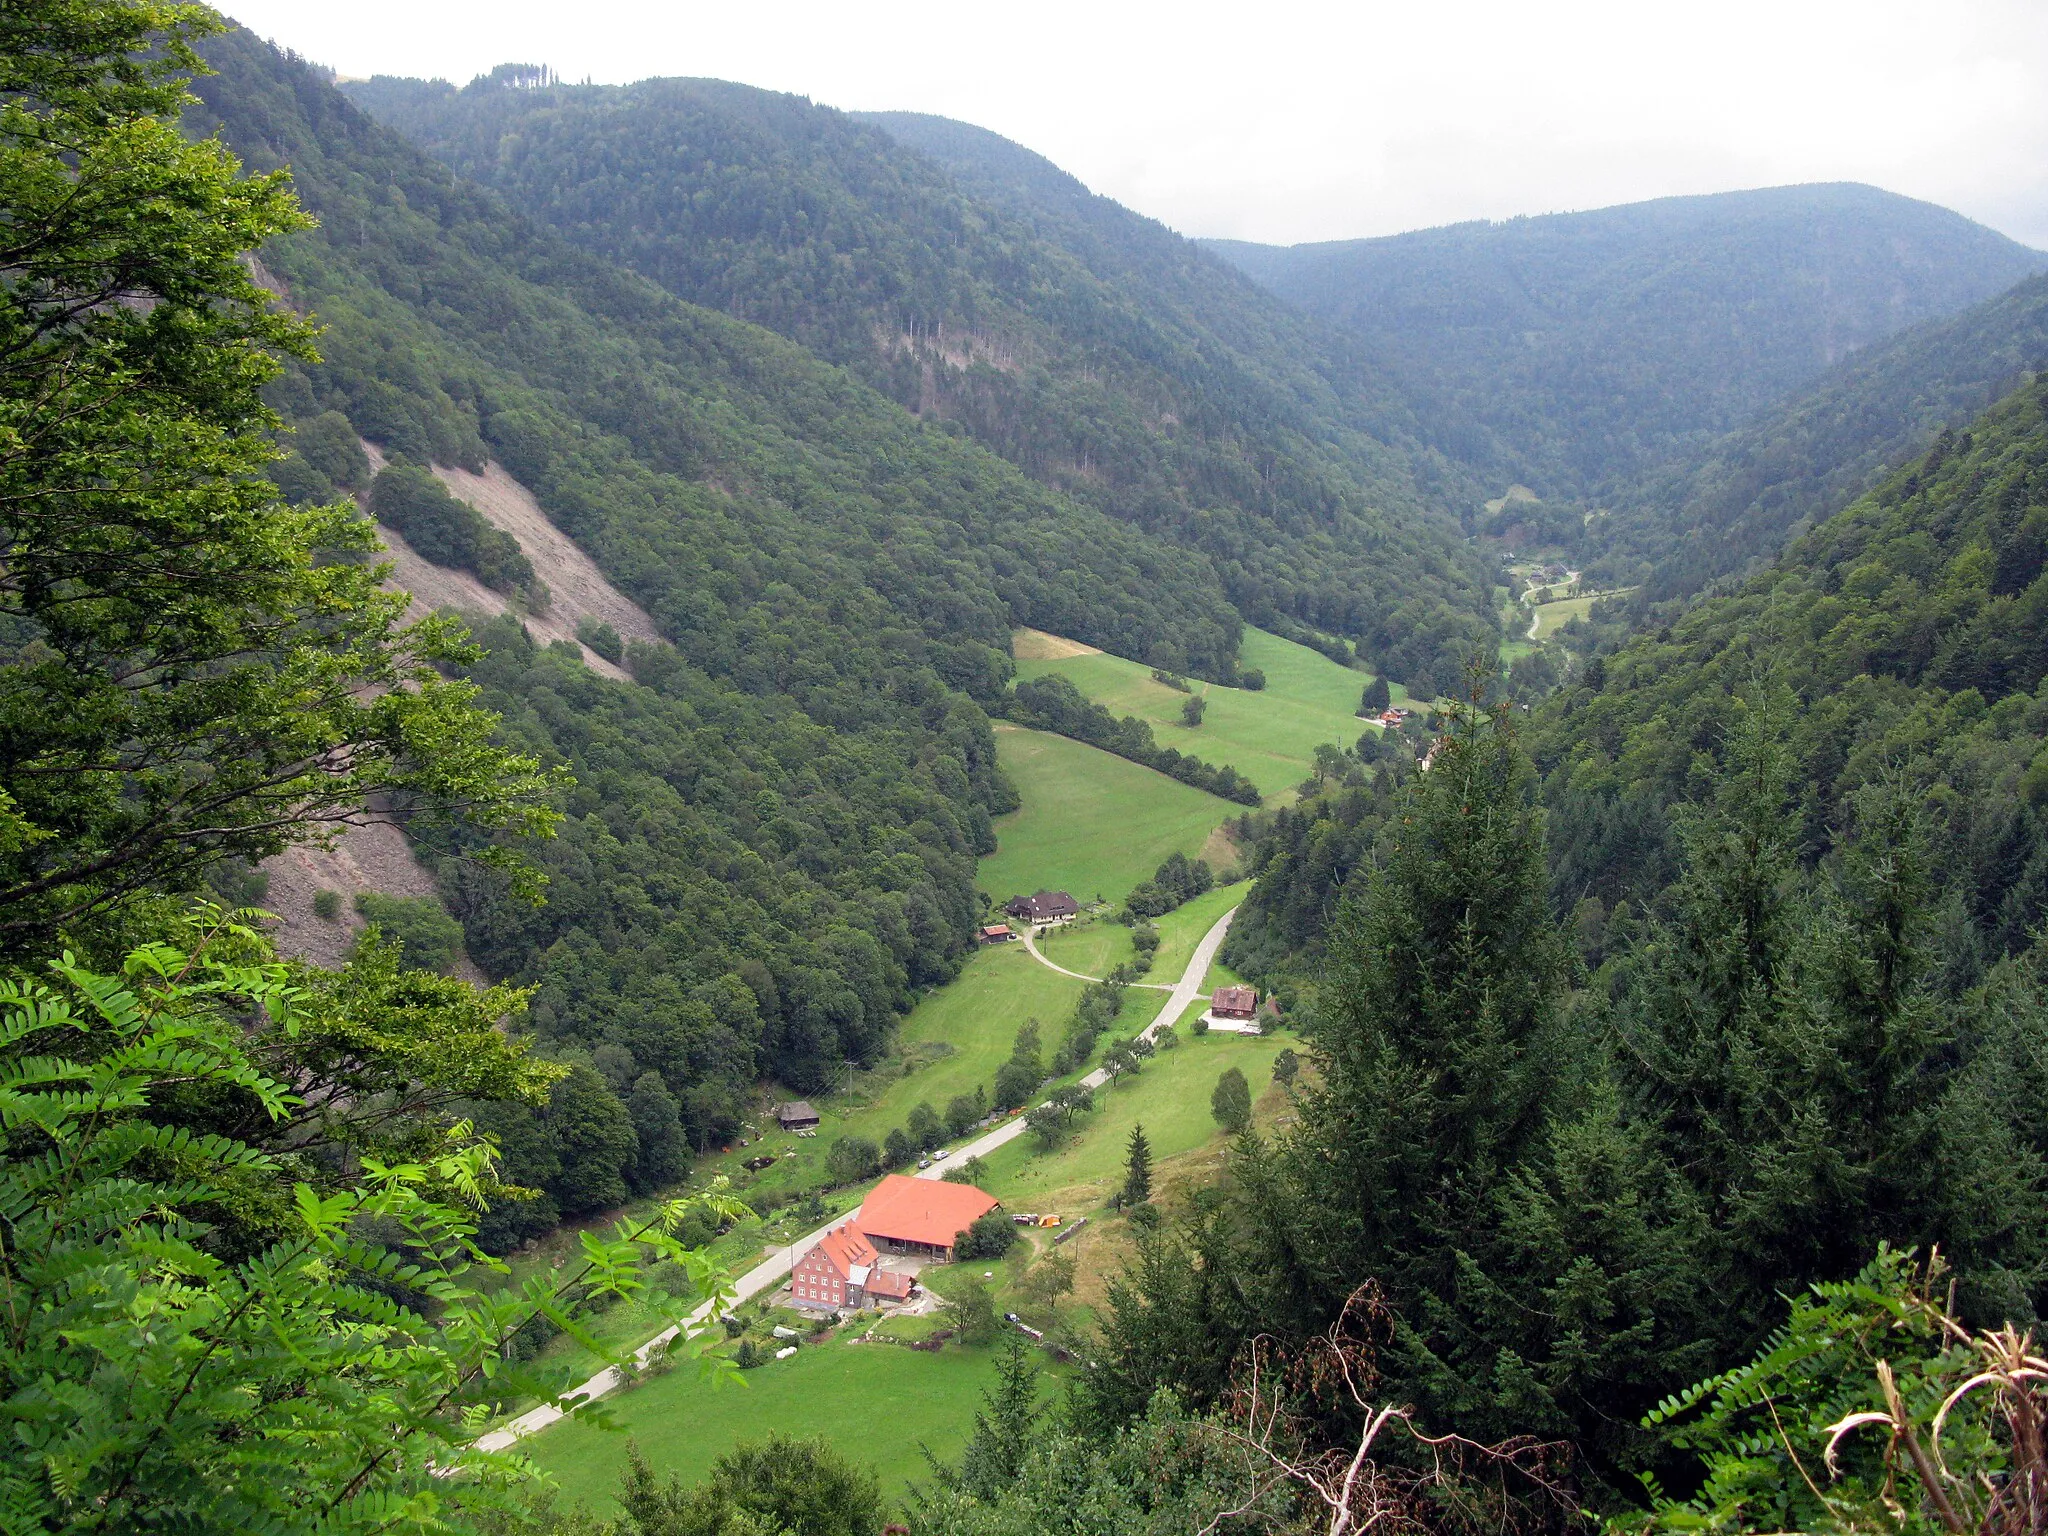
[1092, 823]
[1269, 736]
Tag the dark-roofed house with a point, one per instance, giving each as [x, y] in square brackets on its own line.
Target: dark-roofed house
[1045, 907]
[1234, 1002]
[796, 1116]
[921, 1216]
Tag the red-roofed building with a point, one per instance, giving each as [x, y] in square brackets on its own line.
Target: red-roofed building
[920, 1216]
[836, 1272]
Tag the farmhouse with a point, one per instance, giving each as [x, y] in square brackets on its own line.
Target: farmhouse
[1045, 907]
[1234, 1002]
[920, 1216]
[836, 1272]
[796, 1116]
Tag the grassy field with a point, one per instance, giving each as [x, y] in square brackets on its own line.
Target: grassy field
[1091, 946]
[878, 1403]
[1092, 823]
[1170, 1098]
[1182, 929]
[1269, 736]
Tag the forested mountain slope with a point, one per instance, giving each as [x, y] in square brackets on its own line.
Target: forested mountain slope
[1912, 632]
[1097, 351]
[1904, 639]
[772, 837]
[1705, 516]
[1571, 349]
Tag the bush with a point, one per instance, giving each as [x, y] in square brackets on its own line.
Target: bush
[327, 905]
[1192, 711]
[1200, 1026]
[748, 1355]
[1251, 679]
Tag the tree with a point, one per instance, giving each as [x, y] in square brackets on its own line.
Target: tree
[925, 1128]
[1050, 1277]
[1048, 1124]
[973, 1171]
[1231, 1102]
[1192, 710]
[1137, 1168]
[428, 939]
[173, 1391]
[1003, 1425]
[200, 685]
[1286, 1067]
[988, 1237]
[1377, 699]
[1016, 1081]
[594, 1142]
[972, 1313]
[851, 1159]
[961, 1114]
[758, 1488]
[898, 1151]
[664, 1152]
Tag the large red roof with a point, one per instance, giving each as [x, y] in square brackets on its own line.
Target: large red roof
[845, 1247]
[921, 1210]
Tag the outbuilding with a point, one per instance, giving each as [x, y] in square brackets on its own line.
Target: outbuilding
[796, 1116]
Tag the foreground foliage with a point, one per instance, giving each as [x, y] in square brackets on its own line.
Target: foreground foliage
[320, 1381]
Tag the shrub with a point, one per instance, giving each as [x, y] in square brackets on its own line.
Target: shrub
[327, 905]
[1251, 679]
[1192, 711]
[1200, 1026]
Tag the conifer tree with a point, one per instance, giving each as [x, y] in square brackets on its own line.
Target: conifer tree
[1137, 1168]
[1002, 1425]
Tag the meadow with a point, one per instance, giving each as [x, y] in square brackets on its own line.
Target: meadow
[1091, 823]
[880, 1404]
[1270, 735]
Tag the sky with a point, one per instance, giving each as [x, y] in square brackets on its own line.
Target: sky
[1286, 121]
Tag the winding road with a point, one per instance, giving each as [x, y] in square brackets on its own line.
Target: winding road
[1031, 943]
[770, 1272]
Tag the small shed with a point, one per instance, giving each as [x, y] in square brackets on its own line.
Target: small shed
[1234, 1002]
[997, 933]
[796, 1116]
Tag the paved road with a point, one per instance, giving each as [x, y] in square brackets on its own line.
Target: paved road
[770, 1272]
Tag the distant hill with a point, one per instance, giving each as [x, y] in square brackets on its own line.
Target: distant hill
[979, 287]
[1571, 351]
[1711, 514]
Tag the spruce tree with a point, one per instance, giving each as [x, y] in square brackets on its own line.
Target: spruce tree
[1002, 1425]
[1137, 1168]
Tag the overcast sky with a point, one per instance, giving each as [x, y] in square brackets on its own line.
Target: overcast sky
[1292, 121]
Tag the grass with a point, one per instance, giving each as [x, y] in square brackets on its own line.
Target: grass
[1182, 929]
[1091, 946]
[1269, 736]
[1092, 823]
[876, 1403]
[1170, 1097]
[952, 1042]
[1551, 617]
